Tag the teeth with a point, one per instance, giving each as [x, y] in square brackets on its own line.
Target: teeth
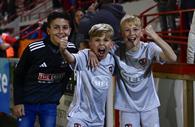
[101, 50]
[131, 39]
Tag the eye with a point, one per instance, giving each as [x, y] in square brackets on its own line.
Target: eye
[65, 27]
[106, 39]
[56, 27]
[97, 39]
[127, 30]
[135, 29]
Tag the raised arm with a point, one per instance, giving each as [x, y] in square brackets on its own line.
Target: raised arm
[167, 53]
[65, 53]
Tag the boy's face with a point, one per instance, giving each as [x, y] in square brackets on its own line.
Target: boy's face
[100, 46]
[131, 35]
[78, 15]
[58, 30]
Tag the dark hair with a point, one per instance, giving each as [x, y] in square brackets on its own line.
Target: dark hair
[104, 1]
[54, 15]
[100, 2]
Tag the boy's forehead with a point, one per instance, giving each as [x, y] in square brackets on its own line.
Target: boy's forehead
[103, 35]
[131, 25]
[60, 21]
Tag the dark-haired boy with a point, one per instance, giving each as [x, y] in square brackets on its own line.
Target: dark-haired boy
[41, 75]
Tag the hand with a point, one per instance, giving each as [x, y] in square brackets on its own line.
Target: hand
[18, 110]
[92, 7]
[93, 61]
[63, 44]
[150, 31]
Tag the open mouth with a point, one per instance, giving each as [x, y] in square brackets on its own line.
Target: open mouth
[132, 39]
[101, 52]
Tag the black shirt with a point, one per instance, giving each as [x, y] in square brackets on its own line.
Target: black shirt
[41, 74]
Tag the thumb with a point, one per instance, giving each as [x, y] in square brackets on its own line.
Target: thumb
[22, 110]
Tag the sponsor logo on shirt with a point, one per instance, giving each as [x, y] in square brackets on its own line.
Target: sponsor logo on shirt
[133, 78]
[101, 82]
[50, 78]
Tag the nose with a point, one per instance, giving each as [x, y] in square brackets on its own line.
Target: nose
[61, 29]
[101, 42]
[131, 31]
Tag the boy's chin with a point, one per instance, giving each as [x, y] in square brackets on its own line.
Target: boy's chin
[100, 57]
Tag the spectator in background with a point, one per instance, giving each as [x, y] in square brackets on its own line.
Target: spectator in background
[57, 4]
[39, 31]
[3, 9]
[76, 36]
[3, 45]
[103, 11]
[191, 43]
[187, 4]
[167, 21]
[7, 42]
[41, 75]
[11, 9]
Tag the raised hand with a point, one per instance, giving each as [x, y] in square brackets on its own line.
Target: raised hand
[63, 44]
[150, 31]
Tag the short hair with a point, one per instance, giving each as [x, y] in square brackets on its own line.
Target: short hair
[131, 20]
[54, 15]
[99, 30]
[104, 1]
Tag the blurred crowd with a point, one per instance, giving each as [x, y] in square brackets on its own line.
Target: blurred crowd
[9, 9]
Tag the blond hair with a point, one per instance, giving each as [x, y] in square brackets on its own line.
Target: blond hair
[131, 20]
[101, 29]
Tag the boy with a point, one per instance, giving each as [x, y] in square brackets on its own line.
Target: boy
[136, 97]
[41, 75]
[88, 106]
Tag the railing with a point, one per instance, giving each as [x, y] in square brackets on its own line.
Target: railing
[34, 14]
[23, 9]
[178, 36]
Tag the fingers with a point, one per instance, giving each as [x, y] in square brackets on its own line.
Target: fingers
[63, 43]
[92, 7]
[19, 110]
[22, 110]
[149, 30]
[93, 62]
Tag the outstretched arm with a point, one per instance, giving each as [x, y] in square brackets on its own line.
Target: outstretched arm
[167, 53]
[65, 53]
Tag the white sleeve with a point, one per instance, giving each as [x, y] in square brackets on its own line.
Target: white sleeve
[81, 60]
[155, 51]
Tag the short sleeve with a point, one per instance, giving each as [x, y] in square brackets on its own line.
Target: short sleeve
[155, 51]
[81, 60]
